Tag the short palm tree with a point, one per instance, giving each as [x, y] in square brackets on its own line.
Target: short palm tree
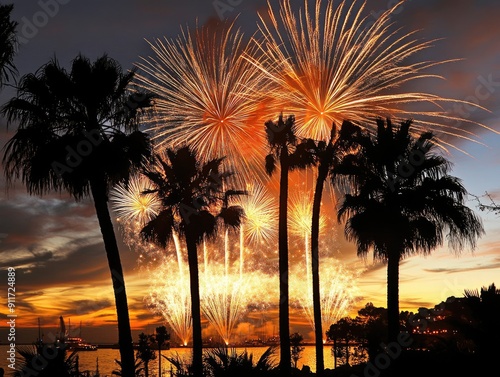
[76, 134]
[8, 44]
[35, 361]
[161, 336]
[401, 202]
[193, 199]
[145, 352]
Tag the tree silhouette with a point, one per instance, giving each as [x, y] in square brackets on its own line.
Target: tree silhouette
[8, 44]
[192, 202]
[325, 155]
[144, 351]
[297, 347]
[162, 336]
[76, 134]
[401, 202]
[484, 305]
[282, 142]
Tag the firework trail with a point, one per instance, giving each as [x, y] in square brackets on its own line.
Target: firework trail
[338, 293]
[208, 96]
[328, 63]
[300, 221]
[170, 297]
[223, 302]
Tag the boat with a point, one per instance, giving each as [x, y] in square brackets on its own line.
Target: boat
[78, 344]
[75, 343]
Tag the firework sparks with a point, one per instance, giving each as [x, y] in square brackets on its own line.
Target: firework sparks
[171, 298]
[131, 205]
[207, 96]
[260, 215]
[300, 223]
[338, 293]
[328, 64]
[223, 302]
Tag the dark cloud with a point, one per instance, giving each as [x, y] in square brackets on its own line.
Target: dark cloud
[86, 265]
[82, 307]
[37, 259]
[477, 267]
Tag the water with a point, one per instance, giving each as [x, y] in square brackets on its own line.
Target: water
[107, 356]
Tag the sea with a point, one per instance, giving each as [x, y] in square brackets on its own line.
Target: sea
[104, 359]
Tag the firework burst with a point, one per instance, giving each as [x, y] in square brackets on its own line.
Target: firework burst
[260, 215]
[329, 63]
[207, 96]
[131, 204]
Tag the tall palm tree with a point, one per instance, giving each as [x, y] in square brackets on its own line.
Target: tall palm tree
[76, 134]
[402, 201]
[326, 155]
[282, 142]
[192, 200]
[8, 44]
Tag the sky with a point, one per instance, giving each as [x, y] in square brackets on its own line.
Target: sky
[55, 244]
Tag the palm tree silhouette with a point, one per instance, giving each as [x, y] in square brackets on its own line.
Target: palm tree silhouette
[401, 203]
[76, 134]
[325, 155]
[484, 306]
[193, 199]
[283, 148]
[162, 336]
[8, 44]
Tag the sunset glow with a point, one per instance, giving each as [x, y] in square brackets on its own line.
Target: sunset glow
[216, 81]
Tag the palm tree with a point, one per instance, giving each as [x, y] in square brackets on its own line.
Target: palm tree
[76, 134]
[35, 361]
[483, 324]
[144, 351]
[402, 201]
[326, 155]
[8, 44]
[138, 368]
[192, 200]
[282, 142]
[161, 337]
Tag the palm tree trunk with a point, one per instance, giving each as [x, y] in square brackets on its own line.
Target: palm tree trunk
[335, 352]
[115, 266]
[285, 354]
[347, 349]
[159, 359]
[318, 329]
[393, 295]
[195, 305]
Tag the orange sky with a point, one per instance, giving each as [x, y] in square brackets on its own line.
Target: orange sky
[56, 246]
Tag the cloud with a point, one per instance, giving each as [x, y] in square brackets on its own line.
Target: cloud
[82, 307]
[37, 259]
[477, 267]
[409, 302]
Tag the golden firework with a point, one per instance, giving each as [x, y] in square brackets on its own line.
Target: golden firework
[329, 63]
[208, 96]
